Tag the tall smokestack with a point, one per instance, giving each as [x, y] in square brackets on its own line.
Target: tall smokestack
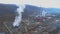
[18, 18]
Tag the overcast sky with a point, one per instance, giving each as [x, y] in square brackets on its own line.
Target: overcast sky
[42, 3]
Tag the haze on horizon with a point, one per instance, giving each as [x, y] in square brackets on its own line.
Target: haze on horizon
[40, 3]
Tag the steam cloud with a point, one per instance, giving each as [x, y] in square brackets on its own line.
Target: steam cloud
[18, 18]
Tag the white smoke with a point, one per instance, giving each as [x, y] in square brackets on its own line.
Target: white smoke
[18, 18]
[44, 13]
